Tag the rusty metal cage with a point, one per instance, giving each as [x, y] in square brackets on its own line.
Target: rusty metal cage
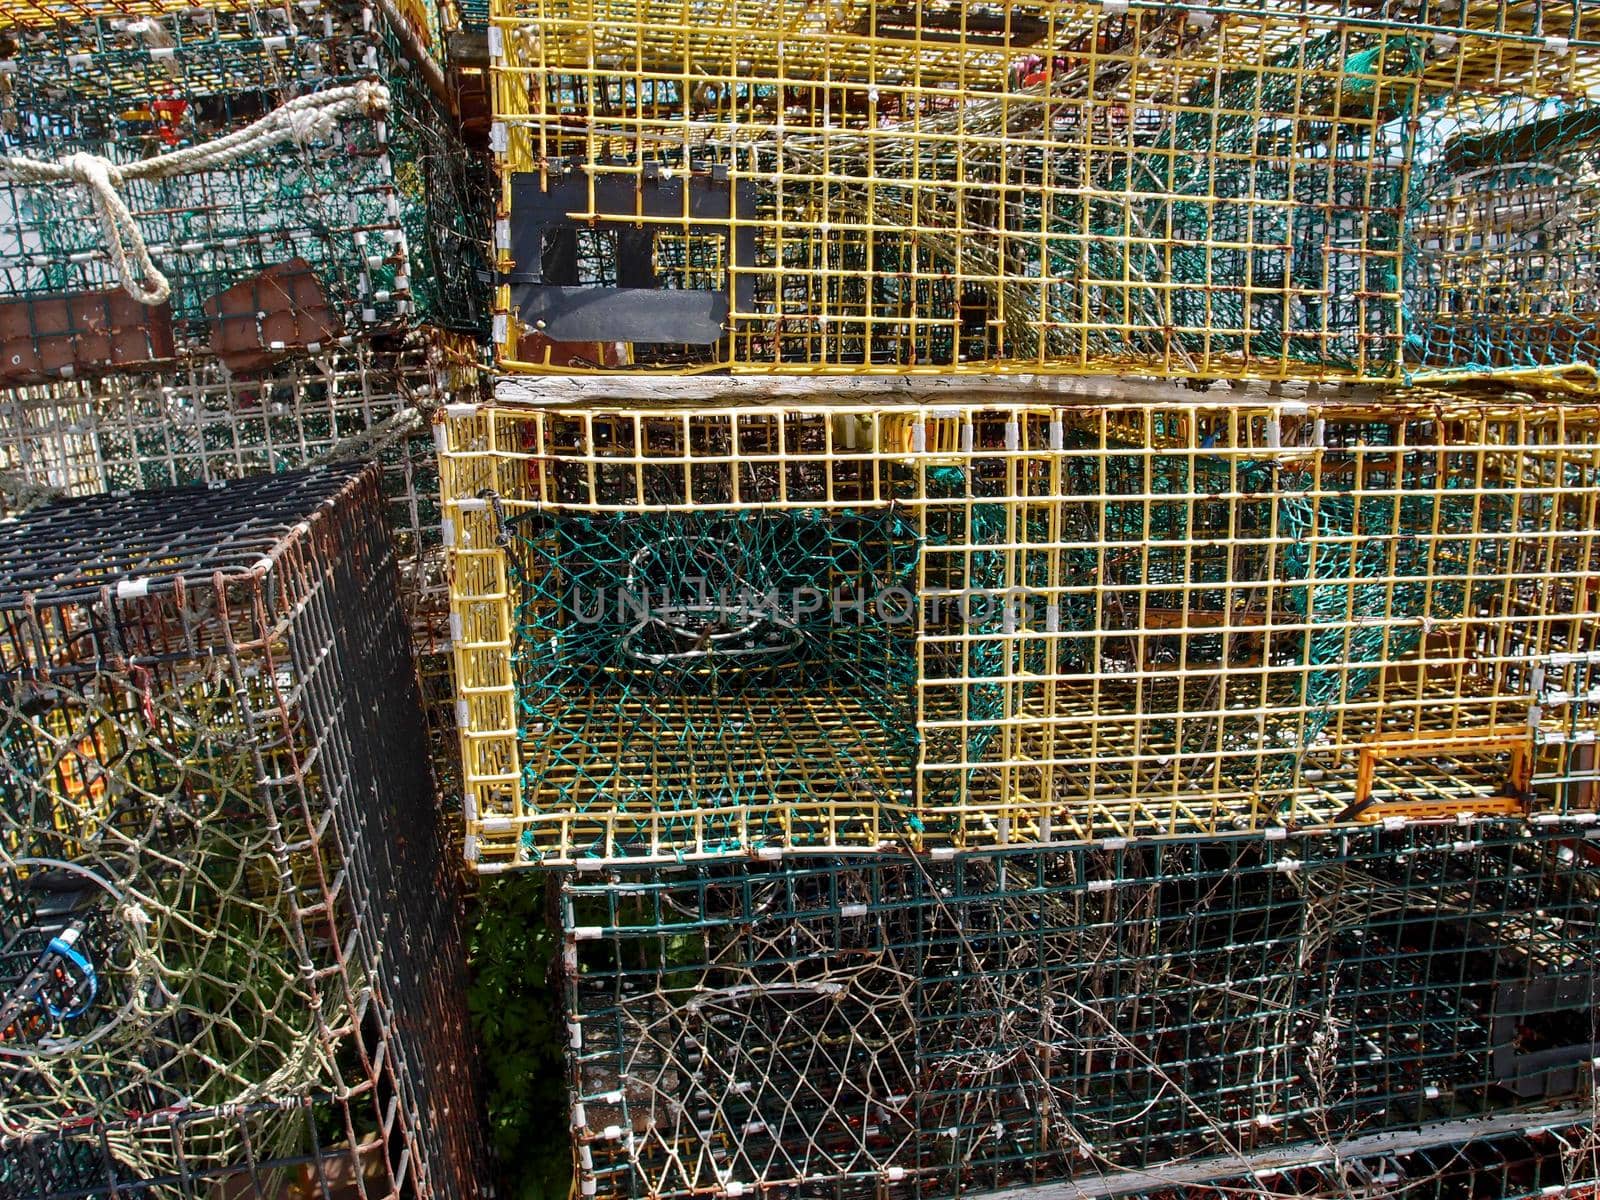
[199, 423]
[1121, 1018]
[728, 631]
[1196, 191]
[231, 955]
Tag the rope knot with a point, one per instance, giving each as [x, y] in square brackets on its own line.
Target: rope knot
[311, 124]
[373, 97]
[92, 170]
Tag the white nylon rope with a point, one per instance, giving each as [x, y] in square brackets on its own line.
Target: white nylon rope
[302, 119]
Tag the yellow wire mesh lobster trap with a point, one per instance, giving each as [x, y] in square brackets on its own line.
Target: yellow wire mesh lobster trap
[1199, 190]
[703, 632]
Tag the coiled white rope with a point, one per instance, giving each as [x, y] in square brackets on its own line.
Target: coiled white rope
[303, 119]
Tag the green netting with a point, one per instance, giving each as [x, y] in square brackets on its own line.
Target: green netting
[650, 672]
[718, 659]
[1083, 214]
[1381, 571]
[1181, 258]
[1501, 236]
[445, 201]
[1217, 190]
[1417, 552]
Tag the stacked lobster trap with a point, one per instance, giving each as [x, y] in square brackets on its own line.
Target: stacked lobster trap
[262, 179]
[1266, 190]
[198, 422]
[1177, 779]
[241, 254]
[1108, 1014]
[800, 629]
[218, 973]
[992, 792]
[236, 238]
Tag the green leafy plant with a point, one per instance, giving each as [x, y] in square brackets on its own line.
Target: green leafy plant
[516, 1010]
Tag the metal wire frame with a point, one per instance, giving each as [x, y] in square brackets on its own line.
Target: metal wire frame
[198, 423]
[216, 781]
[1453, 1160]
[311, 1158]
[381, 222]
[1120, 618]
[33, 13]
[446, 189]
[1199, 191]
[1087, 1019]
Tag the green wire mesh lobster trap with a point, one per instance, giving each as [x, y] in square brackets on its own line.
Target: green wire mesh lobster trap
[358, 210]
[214, 782]
[721, 632]
[1101, 1019]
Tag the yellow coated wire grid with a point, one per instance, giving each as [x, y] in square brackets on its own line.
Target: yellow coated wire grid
[1195, 191]
[737, 631]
